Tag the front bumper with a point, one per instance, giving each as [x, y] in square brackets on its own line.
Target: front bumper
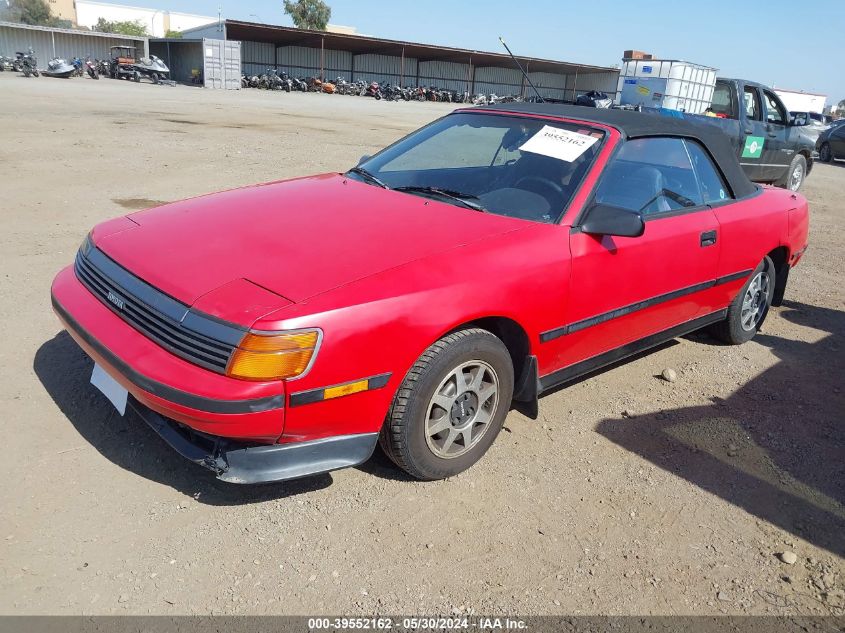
[244, 463]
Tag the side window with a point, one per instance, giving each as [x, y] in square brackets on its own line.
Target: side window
[722, 101]
[752, 104]
[650, 175]
[774, 110]
[713, 188]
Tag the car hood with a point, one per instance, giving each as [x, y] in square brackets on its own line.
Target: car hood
[296, 238]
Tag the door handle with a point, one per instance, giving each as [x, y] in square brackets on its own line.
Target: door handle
[708, 238]
[749, 131]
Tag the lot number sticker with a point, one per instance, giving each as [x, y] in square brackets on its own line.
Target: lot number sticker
[558, 143]
[753, 147]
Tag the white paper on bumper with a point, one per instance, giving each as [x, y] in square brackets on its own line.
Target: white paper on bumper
[558, 143]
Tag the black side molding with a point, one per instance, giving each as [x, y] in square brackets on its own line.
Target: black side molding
[577, 370]
[161, 390]
[550, 335]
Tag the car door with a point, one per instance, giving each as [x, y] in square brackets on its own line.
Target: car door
[755, 135]
[628, 288]
[837, 141]
[777, 153]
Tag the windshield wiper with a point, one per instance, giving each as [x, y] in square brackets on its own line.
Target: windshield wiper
[449, 194]
[368, 176]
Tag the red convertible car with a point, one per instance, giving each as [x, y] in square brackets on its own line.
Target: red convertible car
[285, 329]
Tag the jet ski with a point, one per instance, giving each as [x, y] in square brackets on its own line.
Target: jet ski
[58, 67]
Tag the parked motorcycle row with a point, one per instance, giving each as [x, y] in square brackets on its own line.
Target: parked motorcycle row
[273, 79]
[117, 68]
[27, 64]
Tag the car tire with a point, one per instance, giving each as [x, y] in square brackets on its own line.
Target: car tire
[825, 153]
[437, 427]
[796, 174]
[749, 308]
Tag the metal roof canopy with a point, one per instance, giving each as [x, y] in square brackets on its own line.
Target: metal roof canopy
[51, 29]
[361, 44]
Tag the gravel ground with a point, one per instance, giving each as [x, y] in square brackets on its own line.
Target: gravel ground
[630, 495]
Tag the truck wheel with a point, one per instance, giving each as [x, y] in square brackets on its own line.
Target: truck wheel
[451, 405]
[750, 307]
[825, 155]
[794, 177]
[137, 77]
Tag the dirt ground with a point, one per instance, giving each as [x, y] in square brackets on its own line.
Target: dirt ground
[630, 495]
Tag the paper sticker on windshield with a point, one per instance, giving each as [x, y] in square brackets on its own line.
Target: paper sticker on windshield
[558, 143]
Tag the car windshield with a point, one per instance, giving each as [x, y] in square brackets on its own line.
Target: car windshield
[514, 166]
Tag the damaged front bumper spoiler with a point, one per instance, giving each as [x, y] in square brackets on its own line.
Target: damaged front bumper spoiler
[242, 463]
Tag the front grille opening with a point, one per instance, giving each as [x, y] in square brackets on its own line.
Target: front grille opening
[195, 347]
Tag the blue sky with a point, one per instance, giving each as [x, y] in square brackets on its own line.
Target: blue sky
[789, 44]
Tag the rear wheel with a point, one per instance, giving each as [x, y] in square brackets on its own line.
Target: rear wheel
[825, 154]
[451, 405]
[750, 307]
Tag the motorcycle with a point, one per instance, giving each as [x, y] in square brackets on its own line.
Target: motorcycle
[299, 84]
[373, 90]
[342, 87]
[27, 63]
[91, 68]
[60, 68]
[6, 63]
[594, 99]
[287, 83]
[77, 67]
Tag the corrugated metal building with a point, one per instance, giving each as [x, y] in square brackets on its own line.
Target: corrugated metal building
[303, 53]
[65, 43]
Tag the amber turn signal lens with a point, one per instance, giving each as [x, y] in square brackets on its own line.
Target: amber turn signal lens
[273, 356]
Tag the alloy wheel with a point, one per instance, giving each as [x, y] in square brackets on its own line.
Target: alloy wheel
[796, 177]
[461, 409]
[755, 301]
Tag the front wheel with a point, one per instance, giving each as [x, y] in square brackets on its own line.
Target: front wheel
[825, 154]
[450, 406]
[750, 307]
[795, 175]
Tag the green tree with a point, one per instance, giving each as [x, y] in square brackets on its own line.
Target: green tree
[124, 28]
[309, 14]
[173, 34]
[29, 11]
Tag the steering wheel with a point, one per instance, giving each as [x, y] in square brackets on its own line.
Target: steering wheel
[540, 180]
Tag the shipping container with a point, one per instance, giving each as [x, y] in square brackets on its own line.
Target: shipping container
[222, 64]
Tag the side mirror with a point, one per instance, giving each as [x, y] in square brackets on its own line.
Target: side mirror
[799, 120]
[604, 219]
[364, 159]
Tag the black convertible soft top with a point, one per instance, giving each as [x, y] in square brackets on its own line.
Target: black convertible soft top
[640, 124]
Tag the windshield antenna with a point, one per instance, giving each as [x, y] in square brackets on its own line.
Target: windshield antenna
[522, 70]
